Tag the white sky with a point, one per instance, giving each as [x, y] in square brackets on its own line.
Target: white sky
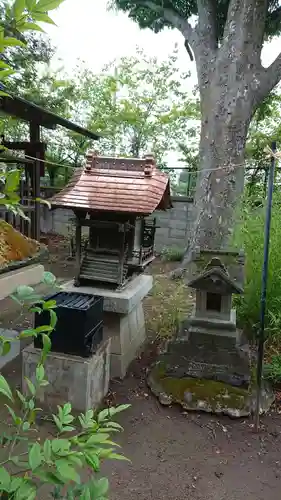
[86, 30]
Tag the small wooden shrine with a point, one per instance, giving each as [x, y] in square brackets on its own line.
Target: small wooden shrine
[112, 197]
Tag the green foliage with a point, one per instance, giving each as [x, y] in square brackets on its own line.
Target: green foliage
[172, 254]
[249, 235]
[79, 443]
[272, 369]
[153, 116]
[148, 17]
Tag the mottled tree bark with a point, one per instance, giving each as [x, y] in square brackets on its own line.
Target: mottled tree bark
[232, 84]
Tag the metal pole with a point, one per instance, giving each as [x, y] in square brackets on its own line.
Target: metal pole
[264, 287]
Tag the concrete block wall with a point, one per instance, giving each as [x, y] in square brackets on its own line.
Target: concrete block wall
[173, 226]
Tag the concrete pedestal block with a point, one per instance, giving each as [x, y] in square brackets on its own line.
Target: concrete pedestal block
[27, 275]
[124, 321]
[127, 333]
[83, 382]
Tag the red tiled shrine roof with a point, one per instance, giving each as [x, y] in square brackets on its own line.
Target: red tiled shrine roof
[128, 185]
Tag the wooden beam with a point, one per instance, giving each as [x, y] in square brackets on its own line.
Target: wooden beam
[34, 130]
[24, 145]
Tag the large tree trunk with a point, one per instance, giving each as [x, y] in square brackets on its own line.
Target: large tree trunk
[232, 84]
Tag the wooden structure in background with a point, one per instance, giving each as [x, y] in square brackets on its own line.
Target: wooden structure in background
[111, 197]
[37, 117]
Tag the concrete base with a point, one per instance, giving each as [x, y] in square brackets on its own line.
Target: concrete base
[83, 382]
[123, 320]
[28, 276]
[15, 346]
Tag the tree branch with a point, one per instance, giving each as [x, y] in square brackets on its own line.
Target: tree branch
[271, 76]
[177, 21]
[206, 27]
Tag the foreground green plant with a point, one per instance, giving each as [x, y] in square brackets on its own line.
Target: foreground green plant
[79, 443]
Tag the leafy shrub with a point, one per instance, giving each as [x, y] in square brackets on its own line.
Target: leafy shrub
[79, 443]
[249, 235]
[172, 254]
[272, 370]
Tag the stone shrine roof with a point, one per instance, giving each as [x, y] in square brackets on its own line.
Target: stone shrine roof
[215, 278]
[126, 185]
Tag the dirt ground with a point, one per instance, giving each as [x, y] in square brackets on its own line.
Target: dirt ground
[175, 455]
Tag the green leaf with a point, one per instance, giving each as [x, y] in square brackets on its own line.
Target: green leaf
[43, 329]
[53, 319]
[43, 17]
[26, 491]
[13, 42]
[44, 202]
[47, 344]
[113, 411]
[100, 488]
[15, 484]
[5, 388]
[12, 413]
[66, 470]
[23, 292]
[49, 304]
[68, 428]
[116, 456]
[18, 9]
[49, 278]
[31, 404]
[31, 27]
[49, 477]
[67, 409]
[30, 386]
[30, 4]
[12, 180]
[6, 347]
[60, 444]
[98, 438]
[4, 479]
[25, 426]
[30, 332]
[21, 397]
[93, 461]
[47, 449]
[47, 5]
[35, 456]
[40, 372]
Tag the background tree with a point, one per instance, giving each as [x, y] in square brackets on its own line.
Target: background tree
[226, 41]
[140, 103]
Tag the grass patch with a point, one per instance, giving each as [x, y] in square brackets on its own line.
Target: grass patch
[250, 236]
[172, 254]
[166, 307]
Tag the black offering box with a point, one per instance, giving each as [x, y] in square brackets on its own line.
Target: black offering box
[79, 327]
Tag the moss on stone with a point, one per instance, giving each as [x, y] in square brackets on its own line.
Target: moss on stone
[214, 394]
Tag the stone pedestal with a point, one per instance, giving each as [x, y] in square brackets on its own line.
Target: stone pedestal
[83, 382]
[124, 320]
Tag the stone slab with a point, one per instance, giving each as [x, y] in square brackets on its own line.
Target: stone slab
[122, 301]
[15, 346]
[83, 382]
[28, 276]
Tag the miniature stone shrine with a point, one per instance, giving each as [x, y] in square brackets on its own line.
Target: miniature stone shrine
[207, 366]
[110, 198]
